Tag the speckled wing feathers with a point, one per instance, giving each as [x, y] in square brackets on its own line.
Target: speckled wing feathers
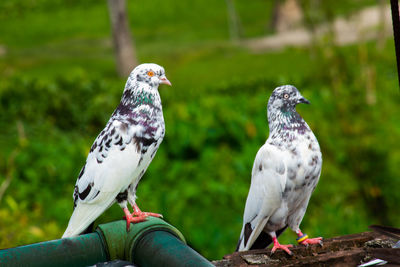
[115, 137]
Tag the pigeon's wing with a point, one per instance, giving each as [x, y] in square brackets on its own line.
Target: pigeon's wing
[109, 169]
[265, 195]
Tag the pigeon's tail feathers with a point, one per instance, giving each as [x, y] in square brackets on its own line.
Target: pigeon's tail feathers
[250, 233]
[244, 237]
[255, 239]
[83, 215]
[264, 239]
[239, 244]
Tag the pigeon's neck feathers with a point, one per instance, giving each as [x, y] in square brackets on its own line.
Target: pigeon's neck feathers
[141, 93]
[139, 96]
[284, 122]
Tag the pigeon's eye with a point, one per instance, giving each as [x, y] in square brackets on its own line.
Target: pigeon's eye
[150, 73]
[286, 96]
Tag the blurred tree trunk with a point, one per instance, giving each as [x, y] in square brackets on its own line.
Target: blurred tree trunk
[382, 27]
[286, 15]
[122, 39]
[274, 15]
[233, 21]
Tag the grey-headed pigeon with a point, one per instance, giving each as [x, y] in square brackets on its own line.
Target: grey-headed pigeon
[286, 171]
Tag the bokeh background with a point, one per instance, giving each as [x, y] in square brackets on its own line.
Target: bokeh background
[59, 85]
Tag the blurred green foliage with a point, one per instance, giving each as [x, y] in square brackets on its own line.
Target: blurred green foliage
[58, 89]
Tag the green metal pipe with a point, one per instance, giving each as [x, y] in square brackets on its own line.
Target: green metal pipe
[150, 243]
[160, 248]
[83, 250]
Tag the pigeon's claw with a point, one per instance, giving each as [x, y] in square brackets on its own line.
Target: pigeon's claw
[130, 219]
[146, 214]
[279, 246]
[304, 240]
[139, 213]
[311, 241]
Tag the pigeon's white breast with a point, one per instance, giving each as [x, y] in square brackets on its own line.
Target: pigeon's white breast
[303, 166]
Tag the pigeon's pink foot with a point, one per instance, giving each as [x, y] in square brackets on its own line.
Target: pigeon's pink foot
[139, 213]
[304, 240]
[311, 241]
[279, 246]
[130, 219]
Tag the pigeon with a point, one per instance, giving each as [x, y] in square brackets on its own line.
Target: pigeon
[285, 172]
[121, 152]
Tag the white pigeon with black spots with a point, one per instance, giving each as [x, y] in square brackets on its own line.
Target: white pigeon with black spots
[286, 171]
[122, 152]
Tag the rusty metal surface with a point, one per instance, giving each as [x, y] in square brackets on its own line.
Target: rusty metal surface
[349, 250]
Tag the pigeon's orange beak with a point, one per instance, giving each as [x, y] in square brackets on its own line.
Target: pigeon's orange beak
[164, 80]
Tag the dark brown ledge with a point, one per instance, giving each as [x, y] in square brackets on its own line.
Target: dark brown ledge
[349, 250]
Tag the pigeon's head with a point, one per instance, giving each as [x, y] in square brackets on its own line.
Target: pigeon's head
[286, 98]
[150, 73]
